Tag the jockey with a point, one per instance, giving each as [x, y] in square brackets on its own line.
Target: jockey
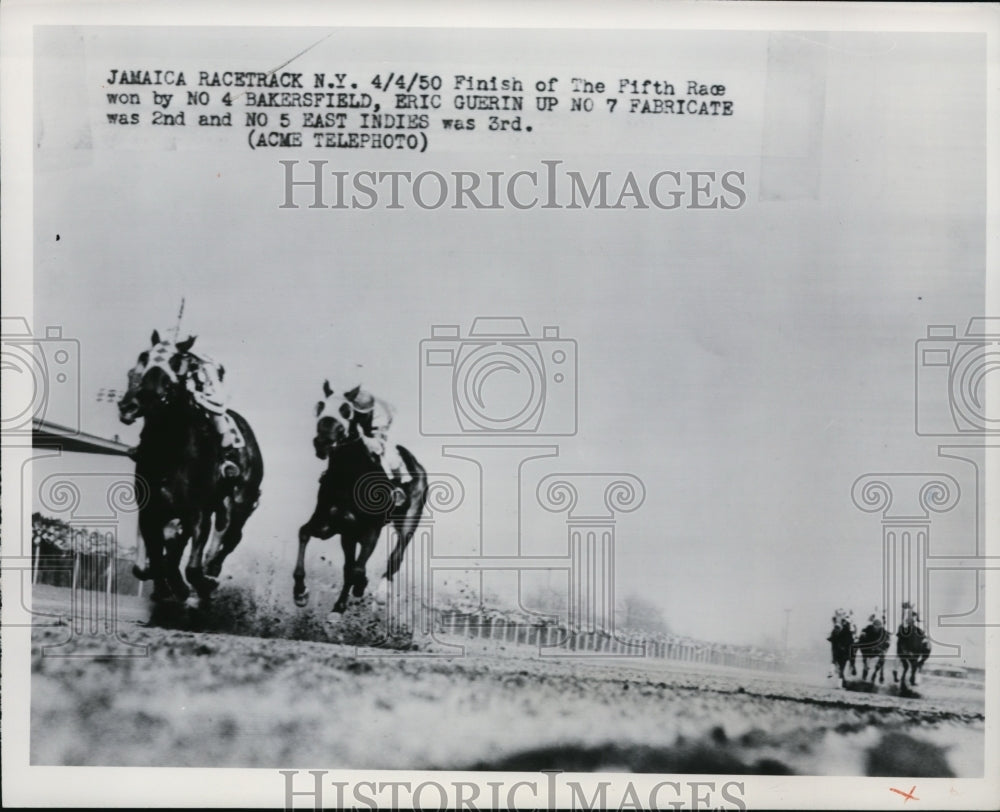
[873, 635]
[911, 620]
[373, 419]
[204, 382]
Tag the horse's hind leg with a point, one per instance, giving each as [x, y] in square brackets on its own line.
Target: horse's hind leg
[301, 592]
[202, 583]
[348, 546]
[172, 563]
[230, 533]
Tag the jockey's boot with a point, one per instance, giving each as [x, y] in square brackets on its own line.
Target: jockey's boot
[232, 441]
[229, 468]
[132, 453]
[394, 467]
[397, 474]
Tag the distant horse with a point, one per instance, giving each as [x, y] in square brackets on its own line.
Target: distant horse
[842, 647]
[356, 500]
[912, 650]
[179, 458]
[873, 643]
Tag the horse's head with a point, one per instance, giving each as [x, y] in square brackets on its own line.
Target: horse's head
[333, 424]
[155, 380]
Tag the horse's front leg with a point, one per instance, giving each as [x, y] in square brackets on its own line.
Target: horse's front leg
[175, 541]
[195, 572]
[301, 592]
[367, 543]
[151, 528]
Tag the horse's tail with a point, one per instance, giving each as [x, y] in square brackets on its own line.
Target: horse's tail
[418, 472]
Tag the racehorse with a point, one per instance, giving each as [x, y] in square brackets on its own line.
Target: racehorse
[912, 650]
[842, 646]
[356, 500]
[178, 459]
[873, 643]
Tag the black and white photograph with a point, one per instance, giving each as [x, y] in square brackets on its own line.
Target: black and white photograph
[423, 407]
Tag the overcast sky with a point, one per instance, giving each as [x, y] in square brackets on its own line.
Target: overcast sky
[746, 365]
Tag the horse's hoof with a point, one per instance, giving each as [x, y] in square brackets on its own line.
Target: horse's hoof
[334, 618]
[193, 602]
[161, 593]
[140, 573]
[302, 598]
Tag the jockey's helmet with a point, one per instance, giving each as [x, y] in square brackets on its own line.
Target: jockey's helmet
[360, 398]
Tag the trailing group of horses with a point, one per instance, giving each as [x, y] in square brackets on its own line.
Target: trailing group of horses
[912, 648]
[178, 468]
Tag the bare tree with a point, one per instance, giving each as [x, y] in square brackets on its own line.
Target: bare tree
[637, 613]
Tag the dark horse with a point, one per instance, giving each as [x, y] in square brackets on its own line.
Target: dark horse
[912, 650]
[842, 646]
[178, 460]
[873, 643]
[356, 500]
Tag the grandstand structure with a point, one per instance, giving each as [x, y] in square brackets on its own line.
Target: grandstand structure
[84, 506]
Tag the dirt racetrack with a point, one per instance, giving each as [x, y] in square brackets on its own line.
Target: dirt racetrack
[205, 699]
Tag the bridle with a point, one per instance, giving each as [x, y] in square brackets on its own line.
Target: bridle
[343, 437]
[159, 357]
